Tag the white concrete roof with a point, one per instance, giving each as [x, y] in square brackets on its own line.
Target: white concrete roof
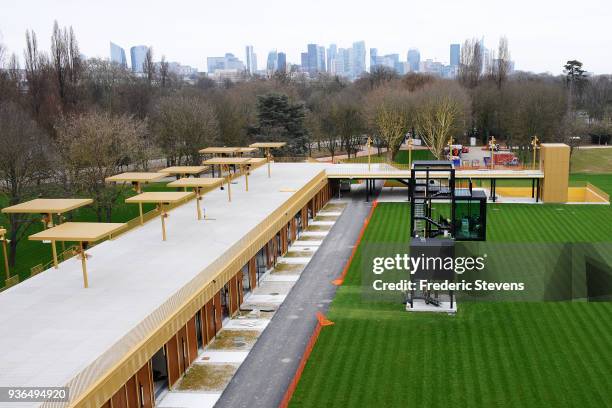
[53, 328]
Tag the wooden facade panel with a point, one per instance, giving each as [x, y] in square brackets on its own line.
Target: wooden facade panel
[294, 228]
[305, 217]
[183, 351]
[172, 358]
[192, 340]
[253, 272]
[240, 284]
[132, 393]
[209, 310]
[218, 312]
[270, 253]
[233, 291]
[144, 386]
[119, 400]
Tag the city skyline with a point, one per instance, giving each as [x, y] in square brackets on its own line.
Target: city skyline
[539, 39]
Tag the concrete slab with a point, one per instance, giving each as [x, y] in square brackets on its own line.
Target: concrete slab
[322, 222]
[265, 299]
[419, 305]
[307, 243]
[295, 260]
[221, 357]
[299, 248]
[330, 213]
[283, 278]
[321, 234]
[268, 287]
[188, 400]
[247, 324]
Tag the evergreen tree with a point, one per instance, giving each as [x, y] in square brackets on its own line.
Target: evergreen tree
[280, 120]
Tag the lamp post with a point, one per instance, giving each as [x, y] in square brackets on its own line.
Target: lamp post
[4, 251]
[410, 143]
[534, 143]
[492, 147]
[369, 144]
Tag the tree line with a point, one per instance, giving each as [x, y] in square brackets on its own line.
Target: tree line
[66, 123]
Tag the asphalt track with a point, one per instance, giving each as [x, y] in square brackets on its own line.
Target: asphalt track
[262, 379]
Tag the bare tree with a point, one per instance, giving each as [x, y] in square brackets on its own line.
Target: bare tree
[391, 114]
[103, 81]
[471, 62]
[346, 121]
[379, 75]
[24, 161]
[148, 65]
[597, 97]
[35, 65]
[232, 109]
[163, 71]
[94, 146]
[67, 65]
[534, 108]
[10, 78]
[182, 126]
[441, 114]
[502, 63]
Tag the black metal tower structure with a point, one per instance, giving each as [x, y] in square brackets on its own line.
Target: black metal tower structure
[430, 182]
[433, 183]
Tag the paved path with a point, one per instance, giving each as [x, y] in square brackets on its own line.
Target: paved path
[263, 377]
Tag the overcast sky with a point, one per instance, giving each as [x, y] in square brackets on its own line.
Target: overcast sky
[542, 34]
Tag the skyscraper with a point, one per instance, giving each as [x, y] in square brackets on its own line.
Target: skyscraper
[455, 52]
[272, 63]
[321, 59]
[373, 55]
[313, 55]
[390, 61]
[414, 59]
[251, 60]
[358, 59]
[281, 62]
[332, 52]
[117, 55]
[227, 62]
[304, 61]
[138, 54]
[343, 62]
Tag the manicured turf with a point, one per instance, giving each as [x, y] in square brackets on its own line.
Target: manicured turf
[592, 160]
[502, 354]
[401, 157]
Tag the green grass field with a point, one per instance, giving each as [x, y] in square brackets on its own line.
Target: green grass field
[502, 354]
[591, 161]
[401, 157]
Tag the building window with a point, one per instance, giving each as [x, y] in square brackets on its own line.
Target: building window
[159, 366]
[246, 281]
